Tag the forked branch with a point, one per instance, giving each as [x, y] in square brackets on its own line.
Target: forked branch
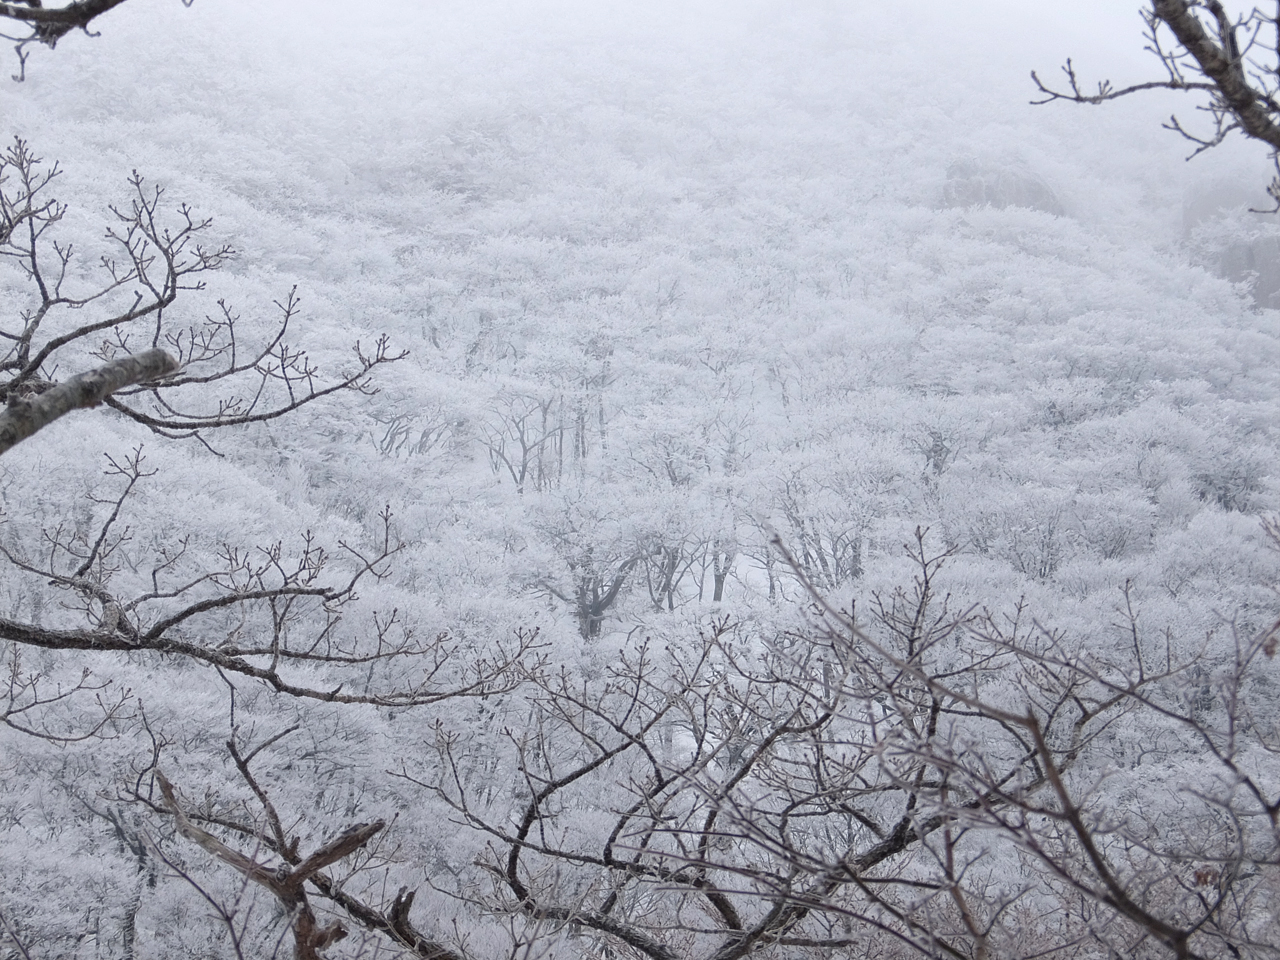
[287, 882]
[1203, 49]
[28, 412]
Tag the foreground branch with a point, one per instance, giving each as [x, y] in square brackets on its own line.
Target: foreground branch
[48, 25]
[1236, 62]
[73, 16]
[286, 883]
[28, 413]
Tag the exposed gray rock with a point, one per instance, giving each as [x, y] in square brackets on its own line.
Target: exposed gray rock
[973, 183]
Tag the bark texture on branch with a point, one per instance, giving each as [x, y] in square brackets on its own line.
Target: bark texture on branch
[1228, 74]
[73, 15]
[26, 415]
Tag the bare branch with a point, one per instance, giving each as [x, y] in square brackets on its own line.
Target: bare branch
[285, 883]
[24, 415]
[1241, 77]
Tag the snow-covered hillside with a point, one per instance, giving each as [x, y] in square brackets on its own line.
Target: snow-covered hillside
[681, 285]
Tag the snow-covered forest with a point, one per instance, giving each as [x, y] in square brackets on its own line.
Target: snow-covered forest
[660, 480]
